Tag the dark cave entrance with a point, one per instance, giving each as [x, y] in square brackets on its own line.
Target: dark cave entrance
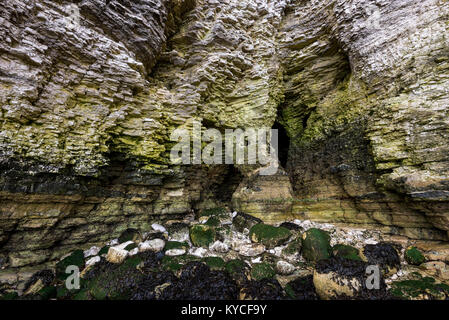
[283, 144]
[227, 187]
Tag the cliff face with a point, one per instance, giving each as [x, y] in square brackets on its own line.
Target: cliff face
[91, 90]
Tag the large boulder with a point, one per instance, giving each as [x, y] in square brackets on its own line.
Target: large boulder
[116, 255]
[154, 245]
[316, 245]
[384, 255]
[340, 278]
[202, 235]
[251, 249]
[269, 236]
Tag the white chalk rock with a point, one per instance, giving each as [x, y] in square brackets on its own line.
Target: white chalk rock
[92, 261]
[198, 252]
[251, 250]
[284, 268]
[158, 227]
[175, 252]
[116, 255]
[219, 247]
[91, 252]
[155, 245]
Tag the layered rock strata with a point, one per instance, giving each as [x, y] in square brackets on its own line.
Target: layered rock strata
[91, 90]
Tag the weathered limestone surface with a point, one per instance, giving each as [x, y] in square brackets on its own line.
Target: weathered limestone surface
[366, 108]
[90, 92]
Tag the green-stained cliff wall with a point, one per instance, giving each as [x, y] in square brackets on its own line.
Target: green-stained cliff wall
[86, 112]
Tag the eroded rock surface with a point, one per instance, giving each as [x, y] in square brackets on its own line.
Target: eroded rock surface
[90, 92]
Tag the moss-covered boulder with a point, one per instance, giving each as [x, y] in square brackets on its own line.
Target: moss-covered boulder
[316, 245]
[202, 235]
[413, 256]
[76, 258]
[215, 263]
[170, 245]
[346, 251]
[269, 236]
[261, 271]
[213, 222]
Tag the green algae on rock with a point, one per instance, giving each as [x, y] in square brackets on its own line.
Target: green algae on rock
[414, 256]
[235, 266]
[420, 288]
[214, 263]
[316, 245]
[213, 222]
[262, 270]
[269, 236]
[346, 251]
[202, 235]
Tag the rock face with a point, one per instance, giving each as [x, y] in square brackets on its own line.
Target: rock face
[91, 91]
[365, 90]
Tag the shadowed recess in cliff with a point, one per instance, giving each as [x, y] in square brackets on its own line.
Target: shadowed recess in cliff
[283, 144]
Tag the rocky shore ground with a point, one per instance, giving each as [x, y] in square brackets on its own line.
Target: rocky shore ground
[222, 255]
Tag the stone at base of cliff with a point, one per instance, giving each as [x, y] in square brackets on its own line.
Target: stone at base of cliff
[339, 278]
[116, 255]
[154, 245]
[413, 256]
[202, 235]
[384, 255]
[316, 245]
[268, 235]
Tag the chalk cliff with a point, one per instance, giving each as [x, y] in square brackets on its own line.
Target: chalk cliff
[90, 91]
